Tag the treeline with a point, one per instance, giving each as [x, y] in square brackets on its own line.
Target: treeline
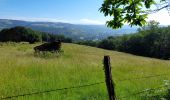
[150, 41]
[19, 34]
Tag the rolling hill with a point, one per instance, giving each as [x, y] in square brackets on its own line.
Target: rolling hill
[75, 31]
[22, 73]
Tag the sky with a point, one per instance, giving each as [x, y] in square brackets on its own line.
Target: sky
[69, 11]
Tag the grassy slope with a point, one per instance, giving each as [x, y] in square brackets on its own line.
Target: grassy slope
[21, 72]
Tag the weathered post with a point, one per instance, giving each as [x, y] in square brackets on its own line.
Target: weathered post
[108, 76]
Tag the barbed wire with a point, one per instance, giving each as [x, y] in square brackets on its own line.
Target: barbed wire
[145, 77]
[81, 86]
[92, 84]
[144, 91]
[52, 90]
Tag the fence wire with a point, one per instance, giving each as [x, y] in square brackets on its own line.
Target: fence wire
[143, 91]
[88, 85]
[145, 77]
[146, 90]
[92, 84]
[52, 90]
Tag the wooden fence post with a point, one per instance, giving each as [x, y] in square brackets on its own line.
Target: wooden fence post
[108, 76]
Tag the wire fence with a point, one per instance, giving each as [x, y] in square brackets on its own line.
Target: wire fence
[97, 83]
[144, 77]
[144, 91]
[92, 84]
[52, 90]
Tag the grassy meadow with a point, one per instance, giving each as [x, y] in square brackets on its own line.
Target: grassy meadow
[21, 72]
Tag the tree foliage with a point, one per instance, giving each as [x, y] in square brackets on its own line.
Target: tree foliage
[150, 41]
[133, 12]
[88, 43]
[19, 34]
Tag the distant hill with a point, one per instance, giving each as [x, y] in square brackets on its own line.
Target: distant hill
[75, 31]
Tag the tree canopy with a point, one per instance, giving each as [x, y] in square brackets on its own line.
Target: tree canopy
[20, 34]
[133, 12]
[149, 41]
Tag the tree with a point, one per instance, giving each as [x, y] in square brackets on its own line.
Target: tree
[107, 44]
[151, 25]
[133, 12]
[19, 34]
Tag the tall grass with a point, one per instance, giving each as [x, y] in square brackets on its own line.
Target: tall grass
[21, 72]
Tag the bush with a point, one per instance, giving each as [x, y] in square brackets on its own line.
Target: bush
[48, 54]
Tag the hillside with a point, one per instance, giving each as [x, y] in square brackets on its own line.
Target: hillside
[21, 72]
[75, 31]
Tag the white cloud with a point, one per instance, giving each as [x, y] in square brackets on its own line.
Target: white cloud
[81, 21]
[162, 17]
[91, 21]
[37, 19]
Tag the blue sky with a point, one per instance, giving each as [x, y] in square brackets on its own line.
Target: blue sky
[71, 11]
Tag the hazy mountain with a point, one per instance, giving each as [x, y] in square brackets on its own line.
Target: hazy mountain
[75, 31]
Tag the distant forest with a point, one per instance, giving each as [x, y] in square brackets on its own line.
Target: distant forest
[150, 41]
[22, 34]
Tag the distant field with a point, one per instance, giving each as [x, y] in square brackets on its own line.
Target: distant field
[21, 73]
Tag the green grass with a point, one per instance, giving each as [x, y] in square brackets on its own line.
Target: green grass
[21, 72]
